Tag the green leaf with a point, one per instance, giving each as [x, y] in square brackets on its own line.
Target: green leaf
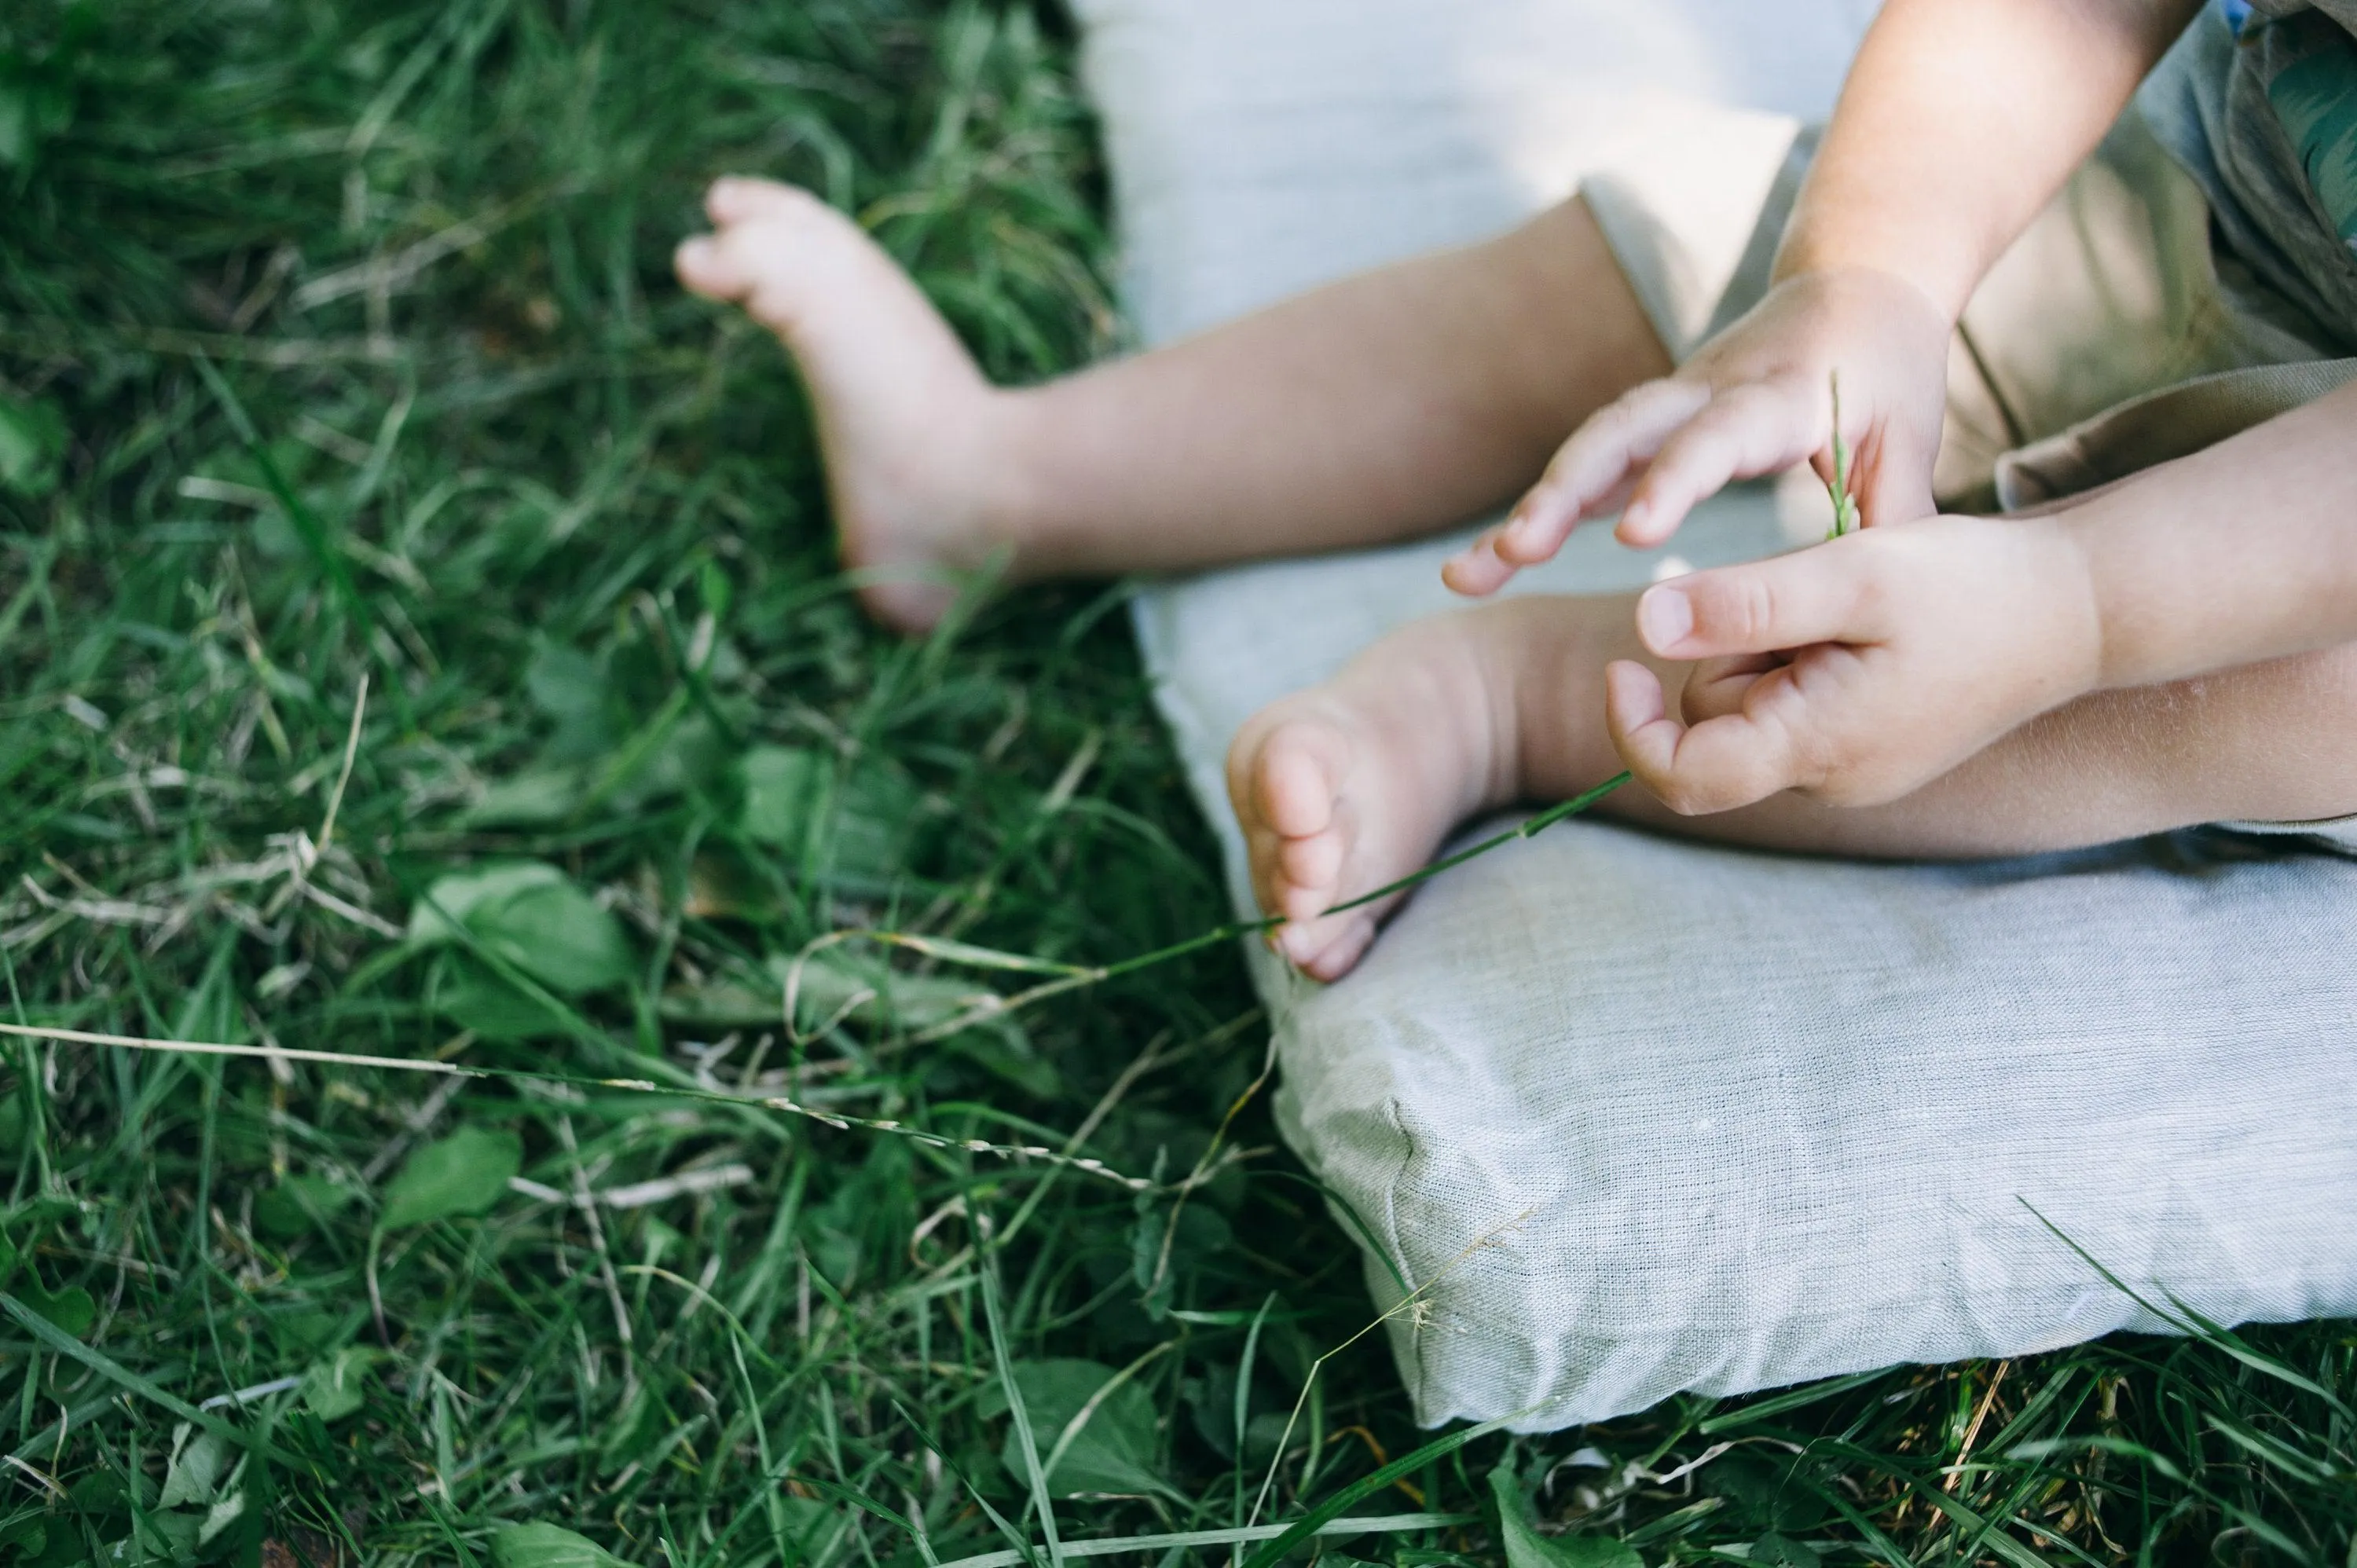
[32, 440]
[71, 1309]
[529, 914]
[1114, 1452]
[472, 997]
[783, 786]
[677, 756]
[837, 986]
[465, 1173]
[1526, 1548]
[568, 685]
[451, 902]
[858, 827]
[556, 935]
[335, 1387]
[221, 1516]
[162, 1537]
[299, 1205]
[547, 1546]
[833, 985]
[198, 1464]
[533, 799]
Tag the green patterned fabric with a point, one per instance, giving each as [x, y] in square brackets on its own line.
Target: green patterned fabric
[2258, 103]
[2315, 96]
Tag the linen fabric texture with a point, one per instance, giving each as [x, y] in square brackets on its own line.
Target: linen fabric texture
[1618, 1116]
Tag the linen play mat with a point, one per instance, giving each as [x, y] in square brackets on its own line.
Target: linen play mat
[1618, 1116]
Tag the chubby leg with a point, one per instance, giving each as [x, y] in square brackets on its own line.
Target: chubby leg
[1355, 783]
[1378, 408]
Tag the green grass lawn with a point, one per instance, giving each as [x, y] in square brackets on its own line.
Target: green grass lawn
[339, 354]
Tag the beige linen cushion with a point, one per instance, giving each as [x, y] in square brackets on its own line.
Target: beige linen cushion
[1630, 1116]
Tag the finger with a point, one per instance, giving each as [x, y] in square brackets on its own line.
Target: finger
[1477, 569]
[1898, 480]
[1747, 431]
[1820, 594]
[1716, 765]
[1594, 464]
[1481, 569]
[1714, 687]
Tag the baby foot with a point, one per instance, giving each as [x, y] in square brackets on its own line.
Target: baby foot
[1352, 785]
[908, 425]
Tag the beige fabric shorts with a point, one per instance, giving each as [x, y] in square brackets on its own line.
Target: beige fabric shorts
[2107, 339]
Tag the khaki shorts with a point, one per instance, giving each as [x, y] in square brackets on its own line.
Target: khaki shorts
[2107, 337]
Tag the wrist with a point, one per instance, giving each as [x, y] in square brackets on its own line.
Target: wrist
[2074, 561]
[1858, 258]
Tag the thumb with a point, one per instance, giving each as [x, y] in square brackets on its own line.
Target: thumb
[1812, 596]
[1715, 766]
[1894, 478]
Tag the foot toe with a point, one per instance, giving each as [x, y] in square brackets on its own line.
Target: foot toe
[703, 265]
[1312, 866]
[1302, 765]
[737, 199]
[1335, 954]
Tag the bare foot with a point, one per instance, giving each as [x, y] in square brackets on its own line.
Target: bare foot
[911, 431]
[1354, 784]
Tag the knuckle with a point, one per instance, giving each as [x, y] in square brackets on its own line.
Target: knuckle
[1741, 608]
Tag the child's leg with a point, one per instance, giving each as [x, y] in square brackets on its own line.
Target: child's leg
[1356, 783]
[1380, 407]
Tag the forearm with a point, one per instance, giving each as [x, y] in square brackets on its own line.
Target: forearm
[2244, 551]
[2272, 742]
[1960, 120]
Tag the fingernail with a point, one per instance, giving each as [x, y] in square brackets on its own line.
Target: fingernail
[1633, 515]
[1665, 616]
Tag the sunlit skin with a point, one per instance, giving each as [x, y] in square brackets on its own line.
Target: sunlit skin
[2153, 656]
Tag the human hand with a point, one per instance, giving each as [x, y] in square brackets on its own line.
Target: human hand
[1750, 401]
[1856, 671]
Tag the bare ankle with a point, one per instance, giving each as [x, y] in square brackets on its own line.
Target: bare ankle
[1006, 489]
[1548, 655]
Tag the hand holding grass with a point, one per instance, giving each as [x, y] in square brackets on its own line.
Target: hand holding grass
[1751, 401]
[1854, 672]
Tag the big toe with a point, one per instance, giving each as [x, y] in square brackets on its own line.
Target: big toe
[1299, 778]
